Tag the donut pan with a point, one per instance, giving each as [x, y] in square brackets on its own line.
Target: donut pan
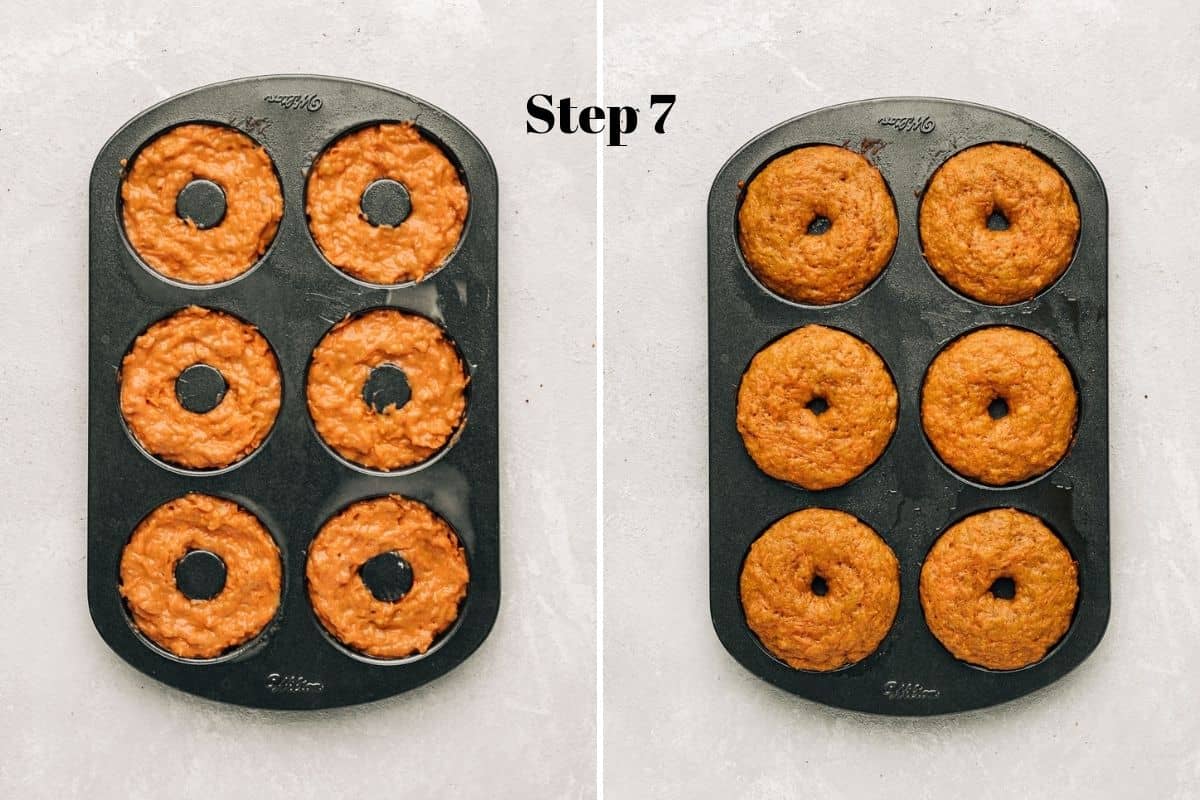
[293, 483]
[909, 496]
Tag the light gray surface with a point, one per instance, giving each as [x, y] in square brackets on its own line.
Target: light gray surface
[683, 720]
[517, 719]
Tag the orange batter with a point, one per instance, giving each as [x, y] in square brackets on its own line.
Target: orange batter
[397, 437]
[386, 254]
[348, 609]
[176, 247]
[237, 425]
[201, 628]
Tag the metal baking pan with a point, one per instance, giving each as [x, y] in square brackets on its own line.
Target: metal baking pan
[293, 483]
[909, 496]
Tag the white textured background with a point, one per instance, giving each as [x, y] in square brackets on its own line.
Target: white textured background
[517, 719]
[1117, 79]
[683, 720]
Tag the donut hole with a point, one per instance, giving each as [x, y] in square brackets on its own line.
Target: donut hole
[820, 224]
[388, 576]
[819, 586]
[200, 388]
[387, 387]
[818, 405]
[201, 202]
[997, 220]
[998, 408]
[1003, 588]
[200, 575]
[386, 203]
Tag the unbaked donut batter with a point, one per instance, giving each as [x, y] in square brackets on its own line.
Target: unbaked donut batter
[176, 247]
[348, 609]
[396, 437]
[201, 628]
[237, 425]
[386, 254]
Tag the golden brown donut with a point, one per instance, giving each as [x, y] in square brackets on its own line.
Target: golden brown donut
[386, 254]
[200, 628]
[1024, 371]
[348, 609]
[981, 627]
[175, 247]
[783, 600]
[398, 437]
[227, 433]
[999, 266]
[786, 437]
[788, 195]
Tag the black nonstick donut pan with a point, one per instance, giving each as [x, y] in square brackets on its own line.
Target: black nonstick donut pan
[293, 483]
[909, 496]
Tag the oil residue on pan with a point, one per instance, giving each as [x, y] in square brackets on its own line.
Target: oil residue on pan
[909, 496]
[291, 294]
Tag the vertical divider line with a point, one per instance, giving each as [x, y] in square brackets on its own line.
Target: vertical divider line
[599, 411]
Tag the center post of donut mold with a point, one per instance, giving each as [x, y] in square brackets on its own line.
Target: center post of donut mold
[387, 576]
[386, 202]
[200, 388]
[386, 387]
[202, 202]
[818, 405]
[1004, 588]
[200, 575]
[820, 224]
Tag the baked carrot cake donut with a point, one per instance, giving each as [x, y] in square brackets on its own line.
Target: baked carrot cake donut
[820, 589]
[999, 405]
[149, 389]
[1030, 239]
[816, 407]
[817, 224]
[384, 253]
[176, 246]
[403, 623]
[246, 598]
[999, 589]
[394, 437]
